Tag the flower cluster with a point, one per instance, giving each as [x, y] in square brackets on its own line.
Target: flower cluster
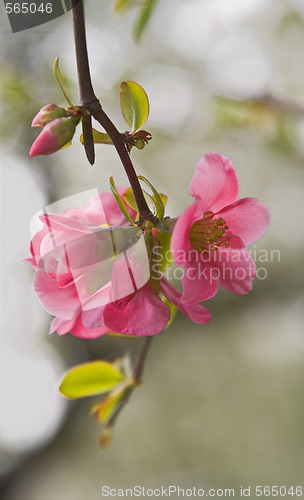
[98, 273]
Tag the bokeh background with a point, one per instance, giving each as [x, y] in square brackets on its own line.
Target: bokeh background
[221, 405]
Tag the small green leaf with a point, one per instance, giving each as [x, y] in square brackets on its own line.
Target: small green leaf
[106, 409]
[99, 137]
[143, 18]
[165, 255]
[173, 310]
[160, 209]
[164, 198]
[67, 145]
[134, 104]
[120, 202]
[59, 79]
[130, 200]
[88, 379]
[167, 225]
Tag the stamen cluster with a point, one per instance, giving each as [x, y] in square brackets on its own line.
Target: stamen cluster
[208, 233]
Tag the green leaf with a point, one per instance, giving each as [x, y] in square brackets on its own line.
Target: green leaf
[120, 202]
[167, 225]
[59, 79]
[173, 310]
[106, 409]
[99, 137]
[166, 258]
[143, 18]
[164, 198]
[160, 209]
[134, 105]
[88, 379]
[130, 200]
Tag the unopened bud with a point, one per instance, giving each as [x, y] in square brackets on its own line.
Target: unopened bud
[48, 113]
[54, 136]
[139, 143]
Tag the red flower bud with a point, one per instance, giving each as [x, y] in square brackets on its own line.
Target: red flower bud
[54, 136]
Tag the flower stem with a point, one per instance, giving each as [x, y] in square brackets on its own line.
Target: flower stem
[90, 102]
[137, 373]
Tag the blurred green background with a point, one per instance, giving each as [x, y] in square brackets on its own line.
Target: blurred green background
[221, 405]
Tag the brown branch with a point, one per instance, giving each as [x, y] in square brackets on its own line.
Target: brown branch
[89, 101]
[137, 373]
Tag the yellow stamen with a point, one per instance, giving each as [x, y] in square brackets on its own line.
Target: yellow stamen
[208, 233]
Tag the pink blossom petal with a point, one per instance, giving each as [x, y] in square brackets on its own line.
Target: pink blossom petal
[61, 326]
[94, 288]
[247, 218]
[144, 314]
[196, 312]
[101, 209]
[79, 330]
[198, 282]
[93, 318]
[236, 269]
[46, 143]
[31, 261]
[62, 223]
[131, 271]
[35, 246]
[76, 328]
[180, 242]
[215, 183]
[78, 251]
[62, 302]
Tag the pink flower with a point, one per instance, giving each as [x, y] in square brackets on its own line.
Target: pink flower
[210, 237]
[92, 272]
[70, 236]
[56, 134]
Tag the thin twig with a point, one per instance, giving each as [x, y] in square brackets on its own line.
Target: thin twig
[137, 374]
[278, 104]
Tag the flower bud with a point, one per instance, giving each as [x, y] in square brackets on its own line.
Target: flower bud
[48, 113]
[139, 143]
[54, 136]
